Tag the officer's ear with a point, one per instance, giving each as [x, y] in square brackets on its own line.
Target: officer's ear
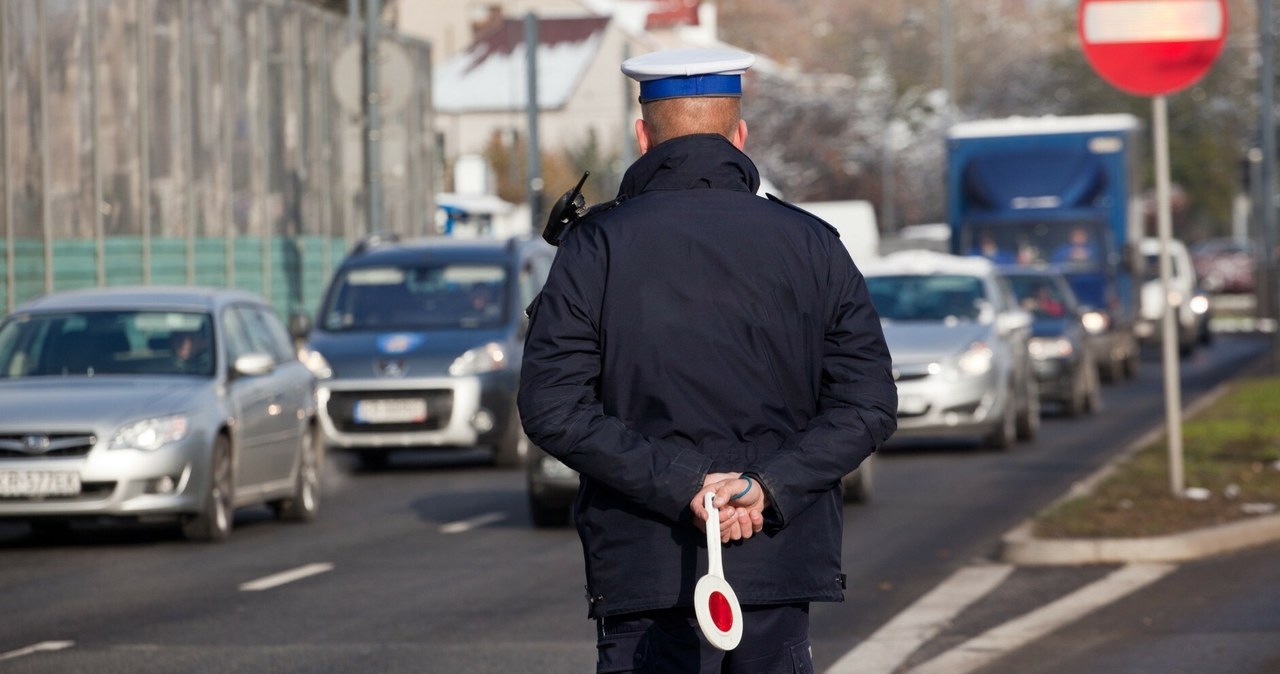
[739, 138]
[643, 139]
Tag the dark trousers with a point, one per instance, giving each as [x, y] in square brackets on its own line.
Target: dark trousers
[775, 640]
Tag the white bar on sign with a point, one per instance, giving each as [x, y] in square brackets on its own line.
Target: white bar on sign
[1152, 21]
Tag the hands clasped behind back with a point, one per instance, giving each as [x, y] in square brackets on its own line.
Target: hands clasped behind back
[741, 502]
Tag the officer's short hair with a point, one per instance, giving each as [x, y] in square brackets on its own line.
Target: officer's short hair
[674, 117]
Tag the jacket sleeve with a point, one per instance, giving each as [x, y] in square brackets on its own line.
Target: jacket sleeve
[559, 405]
[857, 402]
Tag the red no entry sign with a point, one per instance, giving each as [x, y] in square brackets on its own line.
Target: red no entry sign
[1152, 47]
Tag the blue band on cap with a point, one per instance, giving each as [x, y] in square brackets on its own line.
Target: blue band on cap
[695, 85]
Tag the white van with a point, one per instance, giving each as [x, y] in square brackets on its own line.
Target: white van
[1191, 307]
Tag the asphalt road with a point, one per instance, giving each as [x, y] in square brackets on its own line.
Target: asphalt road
[432, 566]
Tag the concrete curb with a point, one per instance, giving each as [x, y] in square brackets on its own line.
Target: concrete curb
[1020, 546]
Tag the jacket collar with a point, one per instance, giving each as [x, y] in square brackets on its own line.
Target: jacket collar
[700, 161]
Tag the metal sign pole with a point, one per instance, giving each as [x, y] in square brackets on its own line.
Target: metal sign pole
[1169, 337]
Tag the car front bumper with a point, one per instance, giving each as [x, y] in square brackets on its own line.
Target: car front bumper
[461, 411]
[115, 482]
[935, 406]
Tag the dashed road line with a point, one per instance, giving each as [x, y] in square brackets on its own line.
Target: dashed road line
[999, 641]
[43, 646]
[894, 642]
[278, 579]
[472, 523]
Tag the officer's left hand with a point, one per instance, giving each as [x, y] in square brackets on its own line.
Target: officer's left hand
[740, 518]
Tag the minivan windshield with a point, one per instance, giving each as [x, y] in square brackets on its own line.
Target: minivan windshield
[422, 297]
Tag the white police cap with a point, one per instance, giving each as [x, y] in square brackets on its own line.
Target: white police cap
[678, 73]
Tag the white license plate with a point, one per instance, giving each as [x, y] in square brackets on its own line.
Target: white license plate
[39, 483]
[912, 405]
[411, 411]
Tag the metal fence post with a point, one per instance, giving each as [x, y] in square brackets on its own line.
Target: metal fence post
[144, 134]
[46, 221]
[10, 257]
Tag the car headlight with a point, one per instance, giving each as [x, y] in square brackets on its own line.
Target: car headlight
[976, 360]
[1044, 348]
[485, 358]
[1095, 322]
[151, 434]
[315, 362]
[1200, 304]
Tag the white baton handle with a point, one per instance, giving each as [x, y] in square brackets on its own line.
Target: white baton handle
[714, 565]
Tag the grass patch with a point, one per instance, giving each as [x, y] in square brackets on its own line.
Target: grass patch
[1231, 448]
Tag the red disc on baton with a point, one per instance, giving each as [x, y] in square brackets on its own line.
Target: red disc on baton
[715, 604]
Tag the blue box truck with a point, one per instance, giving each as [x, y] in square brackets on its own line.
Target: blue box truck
[1057, 192]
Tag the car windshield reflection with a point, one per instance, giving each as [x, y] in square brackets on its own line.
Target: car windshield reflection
[107, 343]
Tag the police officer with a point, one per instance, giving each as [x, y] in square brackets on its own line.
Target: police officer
[695, 337]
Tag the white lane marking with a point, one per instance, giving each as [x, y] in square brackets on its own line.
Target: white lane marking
[472, 523]
[36, 648]
[278, 579]
[998, 641]
[890, 646]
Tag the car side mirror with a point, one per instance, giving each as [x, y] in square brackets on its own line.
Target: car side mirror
[1013, 320]
[299, 326]
[254, 365]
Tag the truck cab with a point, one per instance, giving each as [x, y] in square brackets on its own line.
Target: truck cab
[1062, 193]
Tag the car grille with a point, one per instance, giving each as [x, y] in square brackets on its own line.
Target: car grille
[341, 409]
[41, 445]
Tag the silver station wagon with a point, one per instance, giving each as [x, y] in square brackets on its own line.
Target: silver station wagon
[141, 403]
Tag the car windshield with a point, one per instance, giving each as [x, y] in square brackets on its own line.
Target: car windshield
[1039, 295]
[1070, 244]
[438, 296]
[928, 298]
[89, 343]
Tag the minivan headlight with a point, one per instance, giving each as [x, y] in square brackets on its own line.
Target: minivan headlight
[151, 434]
[484, 358]
[1095, 322]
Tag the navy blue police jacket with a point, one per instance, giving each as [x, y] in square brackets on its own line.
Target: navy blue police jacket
[695, 327]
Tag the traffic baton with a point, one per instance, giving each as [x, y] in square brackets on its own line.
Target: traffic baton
[714, 602]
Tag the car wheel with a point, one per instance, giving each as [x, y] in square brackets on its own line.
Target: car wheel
[1115, 369]
[305, 502]
[1129, 365]
[547, 516]
[858, 484]
[1005, 434]
[1078, 403]
[373, 459]
[213, 522]
[1094, 387]
[1028, 423]
[513, 446]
